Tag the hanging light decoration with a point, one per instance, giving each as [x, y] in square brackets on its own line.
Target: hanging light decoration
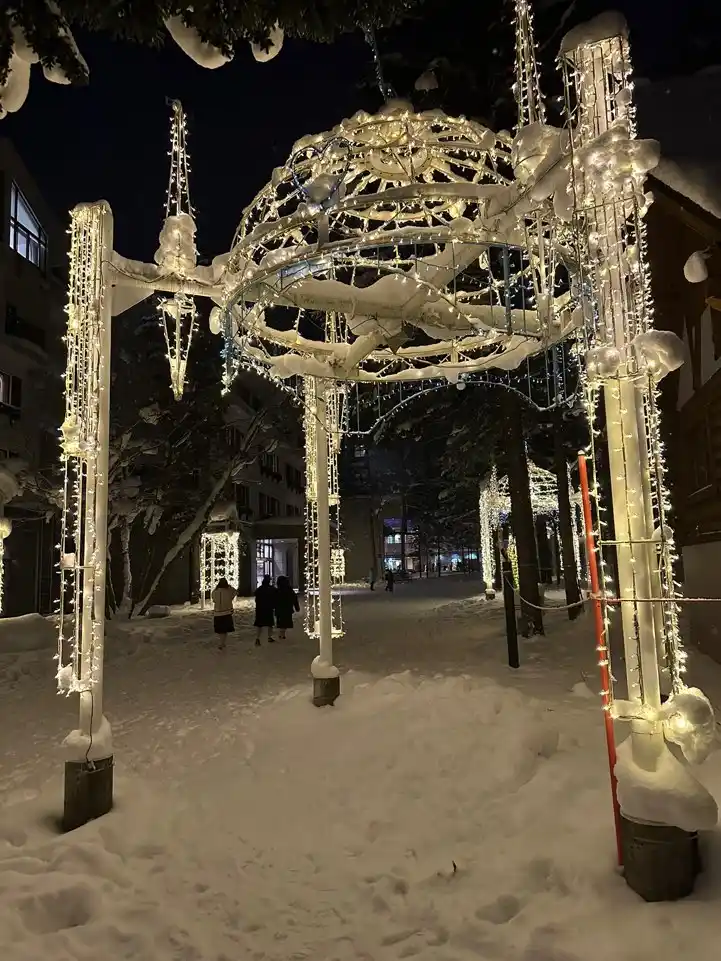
[179, 322]
[177, 254]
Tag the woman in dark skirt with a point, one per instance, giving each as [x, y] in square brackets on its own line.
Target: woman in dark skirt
[286, 602]
[265, 609]
[223, 624]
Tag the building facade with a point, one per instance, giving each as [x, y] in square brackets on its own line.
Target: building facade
[33, 254]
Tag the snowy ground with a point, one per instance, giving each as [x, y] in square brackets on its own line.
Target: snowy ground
[250, 825]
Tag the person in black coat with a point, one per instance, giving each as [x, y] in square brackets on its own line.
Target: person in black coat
[265, 609]
[286, 603]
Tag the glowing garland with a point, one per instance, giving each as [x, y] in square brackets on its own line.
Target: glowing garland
[6, 526]
[494, 504]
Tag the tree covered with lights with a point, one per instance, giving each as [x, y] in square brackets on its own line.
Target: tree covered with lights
[172, 461]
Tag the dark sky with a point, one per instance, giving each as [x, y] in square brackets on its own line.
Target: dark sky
[110, 139]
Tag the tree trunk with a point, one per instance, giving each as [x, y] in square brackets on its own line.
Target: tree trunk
[126, 603]
[565, 523]
[111, 603]
[543, 547]
[187, 535]
[522, 515]
[374, 542]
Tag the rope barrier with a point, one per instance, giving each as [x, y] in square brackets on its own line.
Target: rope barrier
[590, 596]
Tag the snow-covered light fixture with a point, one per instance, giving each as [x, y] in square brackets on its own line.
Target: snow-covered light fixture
[219, 557]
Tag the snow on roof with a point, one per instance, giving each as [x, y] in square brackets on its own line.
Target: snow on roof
[682, 114]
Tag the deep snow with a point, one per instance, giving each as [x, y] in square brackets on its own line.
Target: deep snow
[250, 825]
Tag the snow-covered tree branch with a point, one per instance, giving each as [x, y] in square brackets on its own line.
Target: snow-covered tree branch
[210, 32]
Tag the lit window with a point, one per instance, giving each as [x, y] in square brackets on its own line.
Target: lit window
[27, 237]
[10, 390]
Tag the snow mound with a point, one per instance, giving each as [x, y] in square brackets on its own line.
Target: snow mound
[29, 632]
[671, 795]
[158, 610]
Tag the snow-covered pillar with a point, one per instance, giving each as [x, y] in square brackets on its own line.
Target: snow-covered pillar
[626, 358]
[86, 438]
[319, 615]
[596, 88]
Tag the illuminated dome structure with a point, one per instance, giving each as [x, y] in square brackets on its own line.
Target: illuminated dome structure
[409, 230]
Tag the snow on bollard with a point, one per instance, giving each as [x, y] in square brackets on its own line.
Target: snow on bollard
[88, 775]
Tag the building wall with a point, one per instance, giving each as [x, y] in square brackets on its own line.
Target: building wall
[361, 532]
[32, 322]
[691, 399]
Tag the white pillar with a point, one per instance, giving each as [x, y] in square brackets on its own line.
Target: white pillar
[618, 323]
[86, 438]
[319, 614]
[325, 656]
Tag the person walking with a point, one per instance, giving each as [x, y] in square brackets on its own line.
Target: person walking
[286, 603]
[390, 581]
[265, 609]
[223, 624]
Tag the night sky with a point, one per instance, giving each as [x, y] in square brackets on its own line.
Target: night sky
[109, 140]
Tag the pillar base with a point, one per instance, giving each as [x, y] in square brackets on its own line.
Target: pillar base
[326, 691]
[660, 863]
[490, 594]
[88, 791]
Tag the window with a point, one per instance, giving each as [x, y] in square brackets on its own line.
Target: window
[699, 459]
[270, 465]
[294, 478]
[27, 237]
[15, 326]
[242, 496]
[233, 439]
[269, 506]
[10, 391]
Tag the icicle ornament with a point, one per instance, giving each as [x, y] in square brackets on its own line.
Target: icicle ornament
[177, 255]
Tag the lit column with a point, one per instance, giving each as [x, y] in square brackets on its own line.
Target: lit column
[625, 359]
[610, 364]
[319, 619]
[86, 433]
[488, 565]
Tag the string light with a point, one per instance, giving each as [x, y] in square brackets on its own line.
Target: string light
[335, 412]
[494, 506]
[6, 526]
[82, 557]
[609, 168]
[177, 254]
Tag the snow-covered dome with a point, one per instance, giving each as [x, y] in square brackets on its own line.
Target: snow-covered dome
[405, 227]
